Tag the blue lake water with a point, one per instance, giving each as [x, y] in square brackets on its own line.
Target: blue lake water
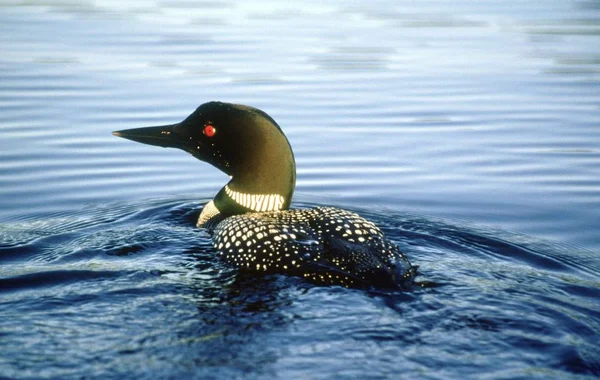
[468, 131]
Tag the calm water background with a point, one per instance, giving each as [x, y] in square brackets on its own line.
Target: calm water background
[470, 131]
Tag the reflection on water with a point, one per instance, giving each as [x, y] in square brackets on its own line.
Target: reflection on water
[485, 114]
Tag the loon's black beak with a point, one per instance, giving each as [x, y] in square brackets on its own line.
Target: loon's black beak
[164, 136]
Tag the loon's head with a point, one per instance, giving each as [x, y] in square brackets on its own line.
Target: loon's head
[243, 142]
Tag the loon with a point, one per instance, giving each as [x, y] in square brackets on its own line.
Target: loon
[250, 220]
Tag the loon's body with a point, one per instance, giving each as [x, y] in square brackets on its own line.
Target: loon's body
[249, 218]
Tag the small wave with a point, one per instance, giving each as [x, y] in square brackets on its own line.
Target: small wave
[490, 293]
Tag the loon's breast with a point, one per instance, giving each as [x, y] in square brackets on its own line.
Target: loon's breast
[325, 245]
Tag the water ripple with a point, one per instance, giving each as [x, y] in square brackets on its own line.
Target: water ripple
[482, 112]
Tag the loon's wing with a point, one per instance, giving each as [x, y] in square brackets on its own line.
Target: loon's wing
[271, 243]
[356, 247]
[325, 245]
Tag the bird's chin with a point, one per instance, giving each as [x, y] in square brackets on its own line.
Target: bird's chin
[203, 155]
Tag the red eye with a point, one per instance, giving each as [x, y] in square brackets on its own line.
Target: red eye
[209, 130]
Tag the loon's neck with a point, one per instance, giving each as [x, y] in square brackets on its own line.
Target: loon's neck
[259, 192]
[263, 173]
[264, 180]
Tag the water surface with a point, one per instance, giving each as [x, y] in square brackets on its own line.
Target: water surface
[468, 131]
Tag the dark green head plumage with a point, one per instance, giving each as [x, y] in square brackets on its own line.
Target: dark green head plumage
[243, 142]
